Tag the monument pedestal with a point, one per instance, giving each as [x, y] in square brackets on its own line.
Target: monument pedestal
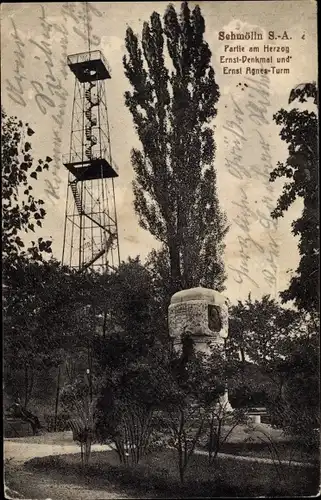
[202, 314]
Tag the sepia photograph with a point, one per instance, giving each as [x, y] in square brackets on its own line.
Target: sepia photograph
[160, 249]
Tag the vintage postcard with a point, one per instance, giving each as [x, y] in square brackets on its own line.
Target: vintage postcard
[160, 249]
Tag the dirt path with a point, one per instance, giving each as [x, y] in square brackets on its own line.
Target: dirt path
[19, 451]
[25, 484]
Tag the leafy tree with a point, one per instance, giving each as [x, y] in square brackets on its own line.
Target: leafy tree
[79, 399]
[18, 411]
[25, 352]
[283, 345]
[299, 131]
[129, 401]
[262, 331]
[147, 389]
[46, 316]
[297, 411]
[221, 424]
[258, 326]
[129, 295]
[175, 184]
[49, 310]
[21, 211]
[196, 383]
[132, 364]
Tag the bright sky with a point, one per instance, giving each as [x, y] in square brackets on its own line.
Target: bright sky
[258, 254]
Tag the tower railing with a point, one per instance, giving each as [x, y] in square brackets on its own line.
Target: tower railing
[82, 57]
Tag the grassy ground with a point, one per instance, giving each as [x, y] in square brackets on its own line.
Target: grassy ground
[254, 442]
[282, 451]
[158, 475]
[61, 477]
[52, 484]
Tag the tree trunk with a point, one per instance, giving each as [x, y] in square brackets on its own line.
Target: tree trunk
[57, 400]
[82, 453]
[211, 438]
[105, 324]
[281, 388]
[175, 266]
[31, 379]
[218, 439]
[182, 474]
[242, 355]
[26, 386]
[181, 454]
[87, 450]
[27, 416]
[181, 463]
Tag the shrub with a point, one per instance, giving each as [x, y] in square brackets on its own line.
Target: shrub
[61, 423]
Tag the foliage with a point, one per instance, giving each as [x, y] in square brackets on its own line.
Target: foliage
[25, 345]
[132, 363]
[250, 386]
[56, 423]
[21, 210]
[218, 419]
[26, 352]
[297, 411]
[79, 399]
[45, 317]
[282, 454]
[145, 386]
[301, 169]
[18, 411]
[172, 111]
[133, 389]
[130, 295]
[283, 345]
[156, 476]
[158, 266]
[261, 330]
[196, 383]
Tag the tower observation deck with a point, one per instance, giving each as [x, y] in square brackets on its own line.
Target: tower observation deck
[91, 233]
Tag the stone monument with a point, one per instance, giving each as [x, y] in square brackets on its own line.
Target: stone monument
[201, 314]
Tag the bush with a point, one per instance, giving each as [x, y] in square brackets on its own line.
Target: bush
[61, 424]
[52, 462]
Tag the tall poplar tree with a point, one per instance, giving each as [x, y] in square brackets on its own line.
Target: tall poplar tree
[172, 102]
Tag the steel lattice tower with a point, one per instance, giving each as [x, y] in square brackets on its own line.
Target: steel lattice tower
[90, 233]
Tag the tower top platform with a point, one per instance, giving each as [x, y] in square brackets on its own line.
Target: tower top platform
[89, 66]
[84, 169]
